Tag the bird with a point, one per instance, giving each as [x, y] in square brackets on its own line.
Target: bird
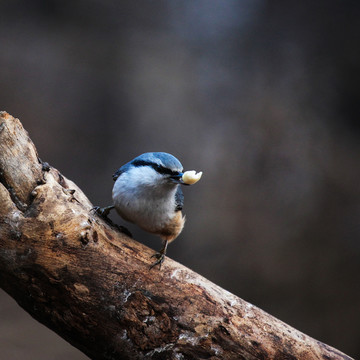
[147, 193]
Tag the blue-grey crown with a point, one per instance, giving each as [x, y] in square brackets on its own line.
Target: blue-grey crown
[160, 158]
[162, 162]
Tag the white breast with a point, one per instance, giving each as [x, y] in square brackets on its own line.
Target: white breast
[141, 196]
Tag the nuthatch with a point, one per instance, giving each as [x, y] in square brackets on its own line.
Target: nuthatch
[147, 192]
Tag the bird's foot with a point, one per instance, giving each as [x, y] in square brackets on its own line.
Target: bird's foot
[160, 256]
[103, 212]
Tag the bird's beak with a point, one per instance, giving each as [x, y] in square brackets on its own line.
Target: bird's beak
[178, 178]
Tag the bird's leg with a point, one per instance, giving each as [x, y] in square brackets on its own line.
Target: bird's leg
[160, 255]
[103, 212]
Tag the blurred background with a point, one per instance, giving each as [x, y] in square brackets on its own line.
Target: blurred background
[262, 96]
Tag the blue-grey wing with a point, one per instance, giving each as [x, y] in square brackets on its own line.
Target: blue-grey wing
[179, 199]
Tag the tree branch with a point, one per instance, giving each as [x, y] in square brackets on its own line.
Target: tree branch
[91, 284]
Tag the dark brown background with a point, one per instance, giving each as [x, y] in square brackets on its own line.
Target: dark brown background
[262, 96]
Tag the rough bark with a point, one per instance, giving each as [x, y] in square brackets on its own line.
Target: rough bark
[91, 283]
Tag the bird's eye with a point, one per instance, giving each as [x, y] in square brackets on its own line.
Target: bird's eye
[162, 170]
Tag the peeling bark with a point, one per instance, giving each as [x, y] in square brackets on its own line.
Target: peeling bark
[91, 284]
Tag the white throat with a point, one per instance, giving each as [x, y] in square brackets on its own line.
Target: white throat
[143, 196]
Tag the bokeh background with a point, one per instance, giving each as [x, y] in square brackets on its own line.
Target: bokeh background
[263, 96]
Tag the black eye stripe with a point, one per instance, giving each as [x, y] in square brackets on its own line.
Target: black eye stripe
[160, 169]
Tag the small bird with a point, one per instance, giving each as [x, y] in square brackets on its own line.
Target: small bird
[147, 193]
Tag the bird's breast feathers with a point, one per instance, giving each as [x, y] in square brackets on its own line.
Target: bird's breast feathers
[143, 206]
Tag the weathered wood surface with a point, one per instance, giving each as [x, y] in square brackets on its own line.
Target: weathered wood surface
[91, 283]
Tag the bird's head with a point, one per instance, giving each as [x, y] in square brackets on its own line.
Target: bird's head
[157, 169]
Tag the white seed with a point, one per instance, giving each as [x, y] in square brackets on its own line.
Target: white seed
[191, 177]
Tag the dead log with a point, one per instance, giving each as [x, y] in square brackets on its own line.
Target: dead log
[91, 284]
